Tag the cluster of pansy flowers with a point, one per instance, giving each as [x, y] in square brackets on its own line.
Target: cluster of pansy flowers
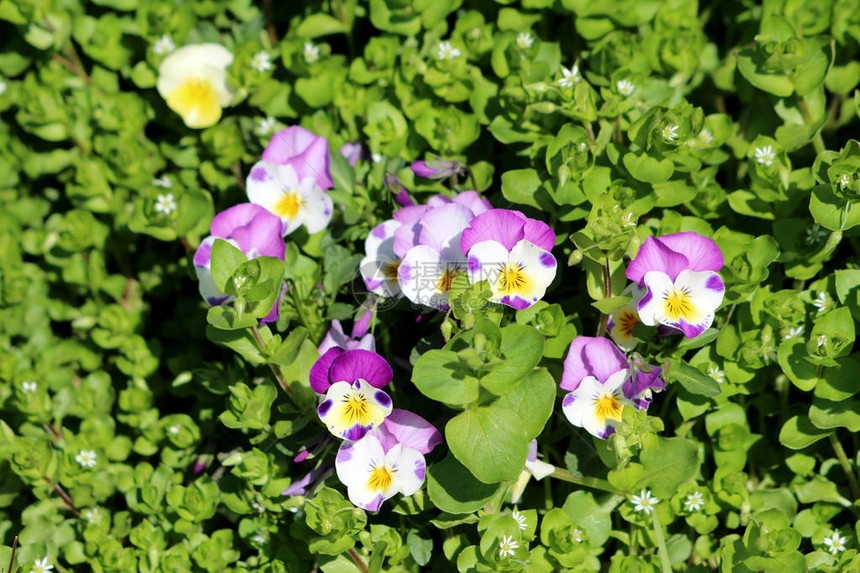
[421, 250]
[675, 286]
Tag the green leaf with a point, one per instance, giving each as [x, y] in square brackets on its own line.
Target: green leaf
[675, 461]
[439, 375]
[522, 348]
[453, 489]
[226, 259]
[647, 168]
[320, 24]
[520, 186]
[833, 212]
[798, 433]
[692, 379]
[826, 414]
[490, 441]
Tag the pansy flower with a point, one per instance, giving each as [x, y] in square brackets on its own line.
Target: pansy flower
[437, 168]
[622, 322]
[388, 460]
[351, 382]
[511, 252]
[429, 268]
[601, 383]
[683, 289]
[249, 228]
[295, 200]
[358, 338]
[193, 81]
[306, 152]
[380, 263]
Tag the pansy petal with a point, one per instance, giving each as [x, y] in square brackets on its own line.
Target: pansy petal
[334, 338]
[503, 226]
[267, 182]
[210, 293]
[655, 256]
[316, 212]
[412, 431]
[473, 200]
[539, 264]
[441, 228]
[688, 303]
[358, 364]
[424, 278]
[380, 241]
[411, 214]
[539, 234]
[484, 261]
[410, 468]
[319, 374]
[350, 411]
[589, 356]
[702, 252]
[657, 286]
[380, 275]
[355, 464]
[288, 143]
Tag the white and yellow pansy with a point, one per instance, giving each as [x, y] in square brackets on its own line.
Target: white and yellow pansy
[193, 81]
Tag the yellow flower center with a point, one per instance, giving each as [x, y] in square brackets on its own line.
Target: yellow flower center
[512, 278]
[678, 304]
[389, 271]
[627, 321]
[356, 409]
[380, 478]
[448, 276]
[607, 407]
[196, 102]
[289, 205]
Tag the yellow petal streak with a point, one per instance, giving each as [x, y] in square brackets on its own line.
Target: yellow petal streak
[380, 478]
[448, 276]
[677, 305]
[289, 205]
[196, 102]
[626, 321]
[356, 410]
[512, 279]
[607, 407]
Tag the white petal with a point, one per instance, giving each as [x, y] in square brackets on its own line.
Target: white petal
[421, 277]
[380, 241]
[197, 61]
[410, 467]
[650, 305]
[354, 466]
[316, 212]
[484, 261]
[539, 469]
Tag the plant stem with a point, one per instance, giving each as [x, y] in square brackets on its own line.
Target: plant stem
[817, 141]
[279, 376]
[593, 483]
[607, 293]
[270, 21]
[472, 179]
[846, 466]
[359, 562]
[661, 544]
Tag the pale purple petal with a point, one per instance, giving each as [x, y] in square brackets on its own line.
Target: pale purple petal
[357, 364]
[589, 356]
[319, 374]
[306, 152]
[359, 327]
[436, 168]
[702, 253]
[540, 234]
[501, 225]
[411, 431]
[473, 200]
[256, 231]
[645, 377]
[401, 195]
[334, 338]
[410, 214]
[203, 254]
[300, 487]
[352, 151]
[441, 225]
[655, 256]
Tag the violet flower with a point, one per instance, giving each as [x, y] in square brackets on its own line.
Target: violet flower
[353, 151]
[437, 168]
[304, 151]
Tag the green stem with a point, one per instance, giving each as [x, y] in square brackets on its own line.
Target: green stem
[279, 376]
[817, 141]
[593, 483]
[661, 544]
[846, 466]
[607, 293]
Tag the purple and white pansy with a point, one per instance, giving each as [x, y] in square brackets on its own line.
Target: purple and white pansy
[358, 338]
[512, 253]
[351, 381]
[388, 460]
[295, 200]
[679, 274]
[306, 152]
[249, 228]
[601, 382]
[380, 263]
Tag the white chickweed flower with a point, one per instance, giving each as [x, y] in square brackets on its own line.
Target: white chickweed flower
[794, 332]
[821, 301]
[311, 52]
[694, 501]
[163, 45]
[644, 501]
[844, 181]
[174, 429]
[576, 535]
[821, 340]
[507, 546]
[625, 87]
[260, 538]
[706, 136]
[669, 132]
[520, 519]
[29, 387]
[765, 155]
[717, 374]
[92, 516]
[165, 204]
[525, 40]
[163, 182]
[569, 77]
[815, 234]
[265, 125]
[445, 51]
[86, 458]
[262, 62]
[41, 566]
[835, 543]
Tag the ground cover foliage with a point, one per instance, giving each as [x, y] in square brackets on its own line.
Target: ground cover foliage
[143, 430]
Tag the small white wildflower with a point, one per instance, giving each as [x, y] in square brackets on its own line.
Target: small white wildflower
[694, 502]
[507, 546]
[165, 204]
[258, 506]
[717, 374]
[821, 340]
[815, 234]
[311, 52]
[706, 136]
[163, 45]
[627, 219]
[262, 62]
[3, 87]
[239, 281]
[765, 155]
[576, 535]
[570, 77]
[41, 566]
[582, 147]
[525, 40]
[86, 458]
[265, 125]
[29, 387]
[669, 132]
[625, 87]
[174, 429]
[92, 516]
[260, 538]
[794, 332]
[644, 501]
[445, 51]
[163, 182]
[376, 157]
[835, 543]
[844, 181]
[821, 301]
[520, 519]
[768, 353]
